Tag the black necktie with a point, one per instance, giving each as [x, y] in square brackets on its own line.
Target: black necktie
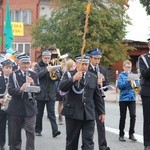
[83, 79]
[95, 69]
[6, 80]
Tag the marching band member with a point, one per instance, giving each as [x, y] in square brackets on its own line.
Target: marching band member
[4, 78]
[47, 95]
[79, 108]
[127, 99]
[100, 72]
[144, 65]
[22, 109]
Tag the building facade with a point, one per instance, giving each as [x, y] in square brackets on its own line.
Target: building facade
[27, 12]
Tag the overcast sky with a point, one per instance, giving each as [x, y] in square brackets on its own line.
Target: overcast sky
[140, 28]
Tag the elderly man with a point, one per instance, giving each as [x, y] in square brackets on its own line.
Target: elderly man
[47, 96]
[79, 109]
[21, 110]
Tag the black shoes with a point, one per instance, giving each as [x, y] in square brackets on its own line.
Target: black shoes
[107, 148]
[56, 133]
[131, 137]
[147, 148]
[121, 138]
[38, 134]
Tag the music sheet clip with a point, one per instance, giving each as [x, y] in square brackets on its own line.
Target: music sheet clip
[110, 87]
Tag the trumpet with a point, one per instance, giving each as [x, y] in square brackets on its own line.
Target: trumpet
[134, 85]
[53, 73]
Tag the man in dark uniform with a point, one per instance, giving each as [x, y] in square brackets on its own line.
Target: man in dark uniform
[83, 98]
[22, 110]
[47, 96]
[15, 63]
[100, 72]
[4, 78]
[144, 66]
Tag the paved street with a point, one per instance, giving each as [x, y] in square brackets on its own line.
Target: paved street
[47, 142]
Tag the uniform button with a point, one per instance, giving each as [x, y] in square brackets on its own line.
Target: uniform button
[84, 103]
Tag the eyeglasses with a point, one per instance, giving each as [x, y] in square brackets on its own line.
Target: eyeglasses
[128, 67]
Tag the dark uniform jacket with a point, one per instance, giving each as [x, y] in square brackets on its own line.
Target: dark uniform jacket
[48, 86]
[2, 88]
[19, 104]
[145, 75]
[75, 106]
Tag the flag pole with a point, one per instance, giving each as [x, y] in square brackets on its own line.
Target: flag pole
[88, 9]
[8, 27]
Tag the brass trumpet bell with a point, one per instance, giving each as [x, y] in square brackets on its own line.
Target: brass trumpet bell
[53, 75]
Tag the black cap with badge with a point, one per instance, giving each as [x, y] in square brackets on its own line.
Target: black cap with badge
[7, 62]
[24, 58]
[95, 53]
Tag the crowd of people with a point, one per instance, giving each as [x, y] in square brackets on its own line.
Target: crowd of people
[79, 86]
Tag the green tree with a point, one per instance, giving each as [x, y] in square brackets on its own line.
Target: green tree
[146, 4]
[106, 29]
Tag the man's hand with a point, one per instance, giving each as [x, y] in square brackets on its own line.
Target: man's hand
[1, 100]
[50, 68]
[23, 87]
[30, 81]
[77, 76]
[101, 78]
[102, 118]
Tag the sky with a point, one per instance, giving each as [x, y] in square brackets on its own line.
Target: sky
[140, 28]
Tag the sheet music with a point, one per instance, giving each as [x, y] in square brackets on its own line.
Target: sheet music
[133, 76]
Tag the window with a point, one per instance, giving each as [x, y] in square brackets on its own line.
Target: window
[22, 47]
[24, 16]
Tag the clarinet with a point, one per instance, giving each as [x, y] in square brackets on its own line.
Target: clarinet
[30, 98]
[101, 85]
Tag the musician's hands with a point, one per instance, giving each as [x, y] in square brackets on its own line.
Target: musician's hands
[23, 87]
[101, 78]
[1, 100]
[50, 68]
[30, 81]
[77, 76]
[102, 118]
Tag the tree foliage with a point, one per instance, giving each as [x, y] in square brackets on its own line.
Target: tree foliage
[106, 28]
[146, 4]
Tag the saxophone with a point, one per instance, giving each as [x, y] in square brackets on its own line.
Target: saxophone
[6, 98]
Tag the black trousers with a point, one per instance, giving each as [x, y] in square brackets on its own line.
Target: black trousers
[146, 117]
[131, 105]
[50, 105]
[73, 129]
[16, 124]
[3, 117]
[102, 143]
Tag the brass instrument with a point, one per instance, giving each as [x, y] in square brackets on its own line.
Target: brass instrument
[99, 75]
[53, 75]
[56, 64]
[134, 85]
[132, 78]
[6, 98]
